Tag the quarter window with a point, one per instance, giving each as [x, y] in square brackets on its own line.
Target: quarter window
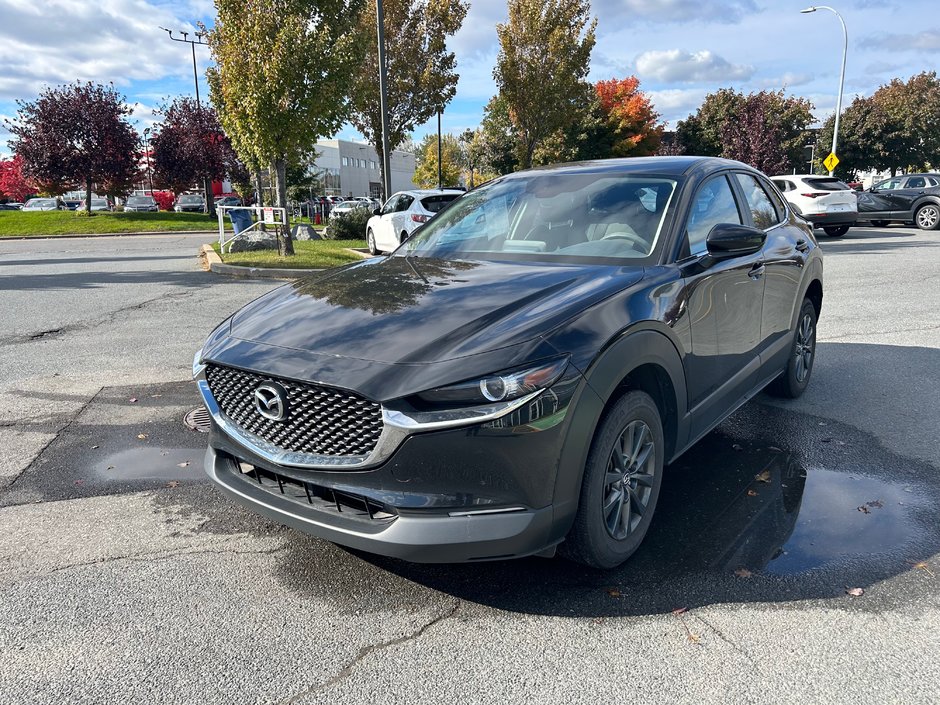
[714, 203]
[916, 182]
[763, 212]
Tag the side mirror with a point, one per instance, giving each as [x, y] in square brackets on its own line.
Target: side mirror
[733, 239]
[376, 211]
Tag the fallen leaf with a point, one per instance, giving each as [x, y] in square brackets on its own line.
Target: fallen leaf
[751, 493]
[763, 476]
[133, 400]
[173, 483]
[864, 510]
[155, 396]
[110, 467]
[183, 464]
[743, 573]
[854, 592]
[93, 447]
[141, 436]
[826, 440]
[737, 446]
[79, 482]
[922, 565]
[823, 423]
[680, 610]
[875, 504]
[613, 592]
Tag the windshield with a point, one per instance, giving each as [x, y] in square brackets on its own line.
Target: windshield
[40, 203]
[139, 201]
[190, 199]
[99, 202]
[551, 215]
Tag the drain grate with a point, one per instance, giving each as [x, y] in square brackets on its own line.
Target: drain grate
[198, 420]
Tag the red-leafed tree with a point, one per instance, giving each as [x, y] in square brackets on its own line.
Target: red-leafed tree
[190, 147]
[75, 134]
[13, 184]
[755, 137]
[630, 117]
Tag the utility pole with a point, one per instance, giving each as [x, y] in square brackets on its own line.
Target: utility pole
[207, 183]
[383, 100]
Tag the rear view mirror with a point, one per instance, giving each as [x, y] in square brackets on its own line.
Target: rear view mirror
[733, 239]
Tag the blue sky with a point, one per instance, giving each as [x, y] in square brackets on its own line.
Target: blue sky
[680, 49]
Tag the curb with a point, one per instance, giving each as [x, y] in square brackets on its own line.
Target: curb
[217, 266]
[80, 235]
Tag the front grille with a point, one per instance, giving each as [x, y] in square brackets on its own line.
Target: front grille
[320, 420]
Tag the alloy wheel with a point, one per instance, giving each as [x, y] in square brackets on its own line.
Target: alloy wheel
[927, 217]
[803, 352]
[629, 479]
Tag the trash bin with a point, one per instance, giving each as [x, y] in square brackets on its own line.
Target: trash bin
[241, 220]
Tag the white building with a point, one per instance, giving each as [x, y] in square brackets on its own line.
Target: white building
[352, 169]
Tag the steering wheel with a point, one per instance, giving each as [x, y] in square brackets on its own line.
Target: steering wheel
[640, 245]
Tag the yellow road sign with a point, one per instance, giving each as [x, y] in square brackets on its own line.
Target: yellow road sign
[831, 162]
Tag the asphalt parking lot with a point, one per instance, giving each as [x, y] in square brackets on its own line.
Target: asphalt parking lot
[126, 577]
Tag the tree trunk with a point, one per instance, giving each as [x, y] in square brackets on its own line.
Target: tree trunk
[378, 150]
[87, 196]
[285, 246]
[210, 198]
[259, 188]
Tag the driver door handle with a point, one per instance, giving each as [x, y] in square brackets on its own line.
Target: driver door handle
[757, 271]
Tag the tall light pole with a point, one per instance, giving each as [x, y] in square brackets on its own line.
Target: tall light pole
[207, 184]
[845, 51]
[147, 143]
[383, 100]
[440, 181]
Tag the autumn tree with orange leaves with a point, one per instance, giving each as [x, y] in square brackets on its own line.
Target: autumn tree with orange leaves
[634, 125]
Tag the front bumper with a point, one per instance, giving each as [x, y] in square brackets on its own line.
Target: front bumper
[451, 537]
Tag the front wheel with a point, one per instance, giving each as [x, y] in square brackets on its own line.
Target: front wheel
[836, 230]
[621, 484]
[794, 379]
[370, 238]
[928, 217]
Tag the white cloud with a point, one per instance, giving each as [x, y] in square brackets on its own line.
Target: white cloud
[681, 66]
[787, 80]
[675, 11]
[927, 41]
[674, 104]
[58, 41]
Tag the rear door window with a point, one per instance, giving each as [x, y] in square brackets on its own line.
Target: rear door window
[763, 212]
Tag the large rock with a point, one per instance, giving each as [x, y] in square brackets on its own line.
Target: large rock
[254, 241]
[304, 232]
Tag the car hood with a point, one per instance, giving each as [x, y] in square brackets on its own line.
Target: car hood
[420, 310]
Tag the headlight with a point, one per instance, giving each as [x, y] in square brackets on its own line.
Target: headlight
[503, 386]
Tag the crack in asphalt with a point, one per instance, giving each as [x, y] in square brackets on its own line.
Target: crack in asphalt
[55, 437]
[88, 325]
[366, 651]
[149, 557]
[740, 649]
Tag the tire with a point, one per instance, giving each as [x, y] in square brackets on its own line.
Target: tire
[370, 238]
[611, 522]
[836, 230]
[794, 379]
[880, 223]
[928, 217]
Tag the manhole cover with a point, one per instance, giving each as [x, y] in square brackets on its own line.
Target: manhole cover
[198, 419]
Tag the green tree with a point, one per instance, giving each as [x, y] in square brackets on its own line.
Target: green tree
[498, 138]
[421, 71]
[278, 83]
[452, 162]
[544, 56]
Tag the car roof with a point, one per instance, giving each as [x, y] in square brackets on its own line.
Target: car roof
[421, 193]
[682, 165]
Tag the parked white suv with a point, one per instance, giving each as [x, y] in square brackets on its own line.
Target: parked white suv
[402, 214]
[824, 201]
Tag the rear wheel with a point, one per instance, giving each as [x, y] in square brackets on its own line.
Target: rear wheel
[836, 230]
[880, 223]
[928, 217]
[370, 238]
[795, 377]
[621, 484]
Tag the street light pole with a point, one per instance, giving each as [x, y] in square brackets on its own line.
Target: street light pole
[147, 144]
[383, 100]
[440, 181]
[207, 183]
[845, 51]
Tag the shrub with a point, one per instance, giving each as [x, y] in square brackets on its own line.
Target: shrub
[164, 199]
[351, 226]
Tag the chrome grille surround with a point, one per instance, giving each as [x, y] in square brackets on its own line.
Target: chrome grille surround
[320, 421]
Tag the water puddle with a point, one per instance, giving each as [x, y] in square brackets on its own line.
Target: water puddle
[152, 463]
[763, 511]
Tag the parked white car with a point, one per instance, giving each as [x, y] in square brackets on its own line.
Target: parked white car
[44, 204]
[346, 207]
[402, 214]
[824, 201]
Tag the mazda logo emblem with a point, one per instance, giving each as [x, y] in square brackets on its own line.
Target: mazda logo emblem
[271, 401]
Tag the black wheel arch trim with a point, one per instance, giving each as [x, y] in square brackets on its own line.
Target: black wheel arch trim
[643, 344]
